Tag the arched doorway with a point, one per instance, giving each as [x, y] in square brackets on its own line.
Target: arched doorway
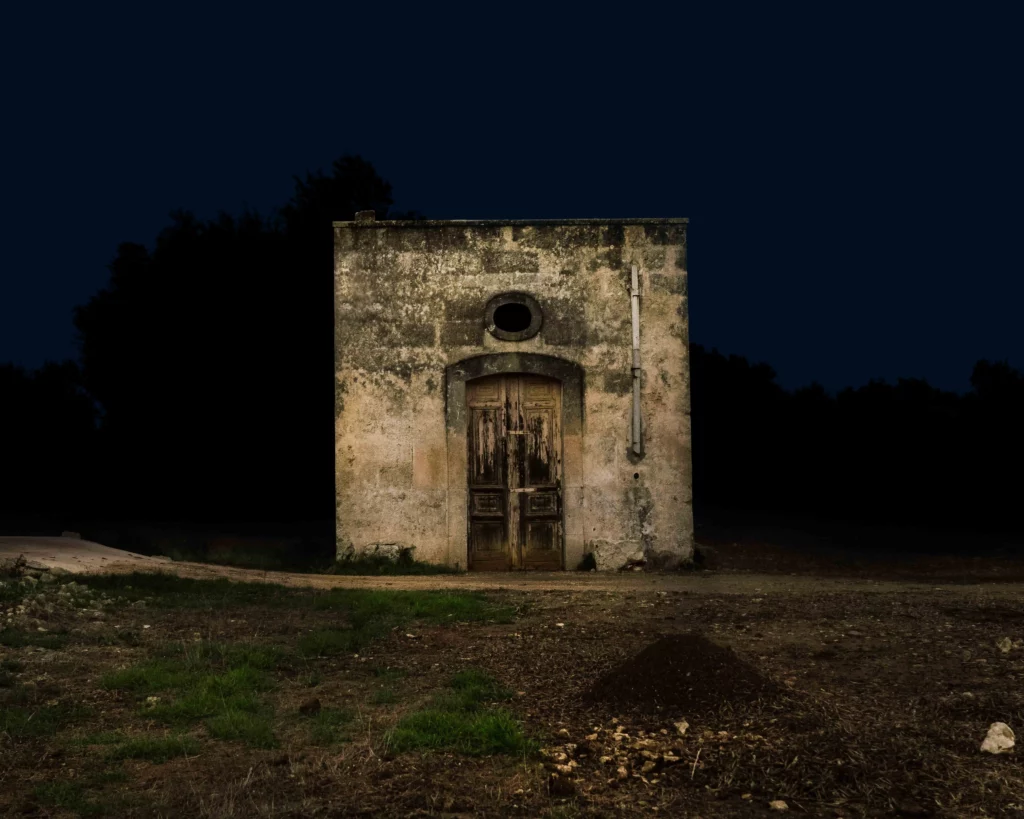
[554, 400]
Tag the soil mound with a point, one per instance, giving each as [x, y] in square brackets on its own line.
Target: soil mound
[686, 674]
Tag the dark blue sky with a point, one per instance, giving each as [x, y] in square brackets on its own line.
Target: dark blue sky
[853, 174]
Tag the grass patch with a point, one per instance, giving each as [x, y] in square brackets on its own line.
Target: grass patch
[154, 749]
[218, 683]
[251, 727]
[463, 719]
[196, 668]
[475, 734]
[405, 564]
[14, 666]
[148, 678]
[98, 738]
[328, 642]
[372, 613]
[70, 796]
[20, 638]
[170, 591]
[25, 721]
[328, 726]
[361, 605]
[365, 605]
[384, 696]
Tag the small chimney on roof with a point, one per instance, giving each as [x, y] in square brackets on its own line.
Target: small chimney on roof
[365, 216]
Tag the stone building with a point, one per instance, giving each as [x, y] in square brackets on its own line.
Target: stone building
[491, 409]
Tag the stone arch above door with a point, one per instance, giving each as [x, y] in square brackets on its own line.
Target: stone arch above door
[571, 376]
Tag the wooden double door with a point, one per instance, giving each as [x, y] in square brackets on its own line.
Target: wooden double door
[515, 473]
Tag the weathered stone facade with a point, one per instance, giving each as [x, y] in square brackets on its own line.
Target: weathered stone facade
[411, 331]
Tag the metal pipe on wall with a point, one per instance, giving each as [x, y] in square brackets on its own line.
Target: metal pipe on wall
[636, 431]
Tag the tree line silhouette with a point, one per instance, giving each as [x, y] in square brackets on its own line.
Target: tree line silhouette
[903, 453]
[204, 394]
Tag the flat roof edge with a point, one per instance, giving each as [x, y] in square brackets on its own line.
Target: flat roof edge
[427, 223]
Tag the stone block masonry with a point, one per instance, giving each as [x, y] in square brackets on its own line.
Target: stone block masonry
[482, 445]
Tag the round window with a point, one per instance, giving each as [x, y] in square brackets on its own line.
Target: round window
[513, 317]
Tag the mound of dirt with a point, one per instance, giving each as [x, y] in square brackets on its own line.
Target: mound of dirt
[686, 674]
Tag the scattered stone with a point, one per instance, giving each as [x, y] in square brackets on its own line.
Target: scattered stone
[778, 804]
[681, 727]
[999, 740]
[559, 625]
[1005, 645]
[563, 732]
[622, 773]
[310, 708]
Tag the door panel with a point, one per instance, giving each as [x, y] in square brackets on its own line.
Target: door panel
[539, 461]
[515, 464]
[487, 460]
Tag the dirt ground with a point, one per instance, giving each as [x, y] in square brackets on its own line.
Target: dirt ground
[710, 694]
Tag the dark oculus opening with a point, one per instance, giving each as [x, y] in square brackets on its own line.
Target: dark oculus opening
[513, 317]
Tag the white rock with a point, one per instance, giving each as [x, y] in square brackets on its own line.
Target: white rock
[778, 804]
[999, 739]
[681, 727]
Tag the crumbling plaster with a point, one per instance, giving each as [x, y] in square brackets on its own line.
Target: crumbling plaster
[410, 299]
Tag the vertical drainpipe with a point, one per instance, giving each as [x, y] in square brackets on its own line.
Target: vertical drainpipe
[636, 430]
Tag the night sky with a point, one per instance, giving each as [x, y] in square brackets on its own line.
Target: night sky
[853, 174]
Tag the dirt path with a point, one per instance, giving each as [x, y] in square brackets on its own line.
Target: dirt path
[697, 583]
[72, 554]
[76, 555]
